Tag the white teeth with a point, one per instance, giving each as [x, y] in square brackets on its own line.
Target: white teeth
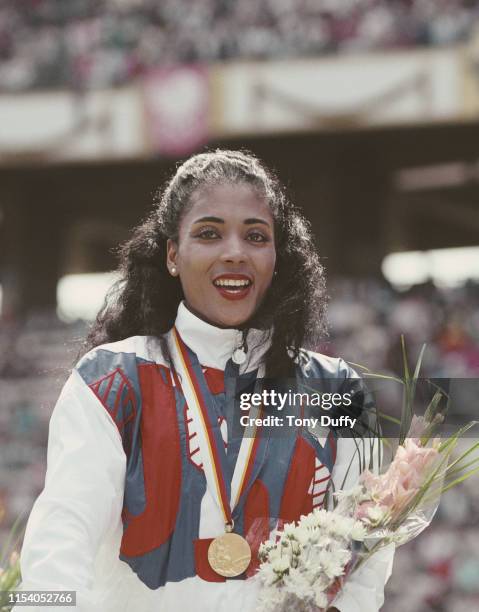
[231, 283]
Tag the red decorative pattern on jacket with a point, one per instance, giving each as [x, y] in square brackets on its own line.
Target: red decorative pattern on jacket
[297, 499]
[119, 400]
[161, 464]
[215, 381]
[319, 484]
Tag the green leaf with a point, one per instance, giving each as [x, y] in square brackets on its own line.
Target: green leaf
[460, 468]
[409, 391]
[460, 479]
[431, 409]
[351, 463]
[388, 417]
[358, 365]
[454, 438]
[419, 363]
[407, 375]
[464, 455]
[385, 377]
[5, 553]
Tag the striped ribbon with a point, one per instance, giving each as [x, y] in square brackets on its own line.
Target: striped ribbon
[225, 494]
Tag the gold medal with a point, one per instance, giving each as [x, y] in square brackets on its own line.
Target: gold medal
[229, 555]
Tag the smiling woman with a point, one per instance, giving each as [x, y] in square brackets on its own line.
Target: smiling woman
[153, 500]
[221, 213]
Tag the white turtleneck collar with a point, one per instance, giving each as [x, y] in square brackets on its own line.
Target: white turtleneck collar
[214, 346]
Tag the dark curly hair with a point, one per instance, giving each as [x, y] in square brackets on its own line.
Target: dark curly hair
[145, 299]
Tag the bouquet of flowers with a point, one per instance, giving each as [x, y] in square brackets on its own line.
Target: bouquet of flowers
[305, 565]
[300, 570]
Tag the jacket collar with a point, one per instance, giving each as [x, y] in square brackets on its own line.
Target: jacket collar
[214, 346]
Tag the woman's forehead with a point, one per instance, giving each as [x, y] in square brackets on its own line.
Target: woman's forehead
[230, 201]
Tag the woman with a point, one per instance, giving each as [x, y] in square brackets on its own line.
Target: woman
[220, 285]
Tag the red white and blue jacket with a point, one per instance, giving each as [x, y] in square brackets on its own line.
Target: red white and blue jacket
[126, 516]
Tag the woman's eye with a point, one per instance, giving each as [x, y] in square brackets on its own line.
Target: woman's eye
[257, 237]
[207, 234]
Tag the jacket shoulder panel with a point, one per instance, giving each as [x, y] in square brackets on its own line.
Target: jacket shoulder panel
[111, 372]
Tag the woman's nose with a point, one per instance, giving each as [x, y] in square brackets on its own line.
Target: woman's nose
[234, 250]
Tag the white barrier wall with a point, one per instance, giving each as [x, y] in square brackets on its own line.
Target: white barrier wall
[341, 92]
[382, 89]
[49, 126]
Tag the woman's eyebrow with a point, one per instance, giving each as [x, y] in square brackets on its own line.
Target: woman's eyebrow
[250, 221]
[209, 220]
[253, 220]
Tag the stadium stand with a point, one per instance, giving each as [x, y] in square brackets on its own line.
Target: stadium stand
[83, 44]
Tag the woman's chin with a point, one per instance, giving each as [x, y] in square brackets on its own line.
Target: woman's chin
[230, 321]
[222, 317]
[231, 317]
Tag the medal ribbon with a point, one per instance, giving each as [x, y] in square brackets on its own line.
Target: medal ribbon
[215, 464]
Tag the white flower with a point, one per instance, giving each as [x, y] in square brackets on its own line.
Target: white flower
[302, 561]
[280, 565]
[267, 574]
[274, 554]
[311, 562]
[358, 532]
[341, 526]
[289, 530]
[315, 535]
[351, 494]
[303, 535]
[326, 540]
[297, 584]
[310, 521]
[295, 547]
[343, 556]
[333, 563]
[347, 501]
[265, 547]
[376, 513]
[323, 518]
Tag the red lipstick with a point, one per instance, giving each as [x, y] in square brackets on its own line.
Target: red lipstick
[233, 286]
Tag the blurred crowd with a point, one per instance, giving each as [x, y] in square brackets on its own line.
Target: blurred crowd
[438, 572]
[83, 44]
[367, 320]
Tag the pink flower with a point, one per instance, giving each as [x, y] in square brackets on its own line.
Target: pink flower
[371, 513]
[394, 489]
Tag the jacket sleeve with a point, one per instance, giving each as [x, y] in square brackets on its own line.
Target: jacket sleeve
[81, 501]
[364, 589]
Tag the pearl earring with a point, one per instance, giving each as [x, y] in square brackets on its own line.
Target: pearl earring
[173, 270]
